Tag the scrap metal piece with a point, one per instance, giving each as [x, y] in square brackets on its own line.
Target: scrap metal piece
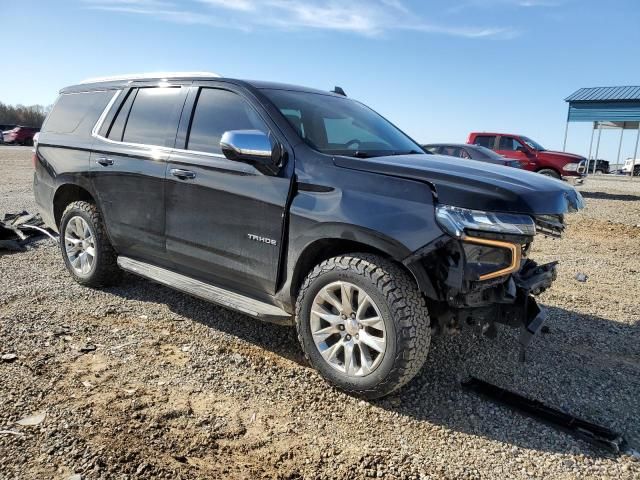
[534, 319]
[597, 435]
[17, 228]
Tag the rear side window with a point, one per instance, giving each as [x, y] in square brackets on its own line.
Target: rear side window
[117, 128]
[218, 111]
[77, 113]
[487, 141]
[153, 118]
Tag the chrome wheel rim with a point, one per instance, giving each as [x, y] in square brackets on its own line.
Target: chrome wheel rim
[348, 329]
[79, 245]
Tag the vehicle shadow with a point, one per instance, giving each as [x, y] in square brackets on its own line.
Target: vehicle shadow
[586, 365]
[610, 196]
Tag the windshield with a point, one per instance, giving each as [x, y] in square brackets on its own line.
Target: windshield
[533, 144]
[340, 126]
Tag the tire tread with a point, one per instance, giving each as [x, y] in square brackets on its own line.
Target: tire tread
[407, 306]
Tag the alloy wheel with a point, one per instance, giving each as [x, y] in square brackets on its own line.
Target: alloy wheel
[80, 245]
[348, 329]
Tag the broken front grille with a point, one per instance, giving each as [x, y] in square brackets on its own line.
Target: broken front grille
[550, 225]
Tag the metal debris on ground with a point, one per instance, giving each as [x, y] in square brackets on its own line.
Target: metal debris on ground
[597, 435]
[581, 277]
[32, 420]
[17, 228]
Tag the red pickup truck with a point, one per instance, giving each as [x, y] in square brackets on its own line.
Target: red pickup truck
[532, 155]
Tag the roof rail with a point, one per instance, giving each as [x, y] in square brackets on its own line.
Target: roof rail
[142, 76]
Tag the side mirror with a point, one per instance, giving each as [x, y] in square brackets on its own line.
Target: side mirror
[524, 150]
[249, 146]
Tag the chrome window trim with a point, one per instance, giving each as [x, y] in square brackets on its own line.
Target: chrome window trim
[103, 115]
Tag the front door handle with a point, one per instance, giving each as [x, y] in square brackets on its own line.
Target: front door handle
[183, 174]
[105, 161]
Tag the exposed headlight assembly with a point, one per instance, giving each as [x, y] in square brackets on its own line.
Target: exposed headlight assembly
[487, 258]
[455, 221]
[571, 167]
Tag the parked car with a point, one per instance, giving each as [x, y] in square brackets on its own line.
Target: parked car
[601, 166]
[628, 163]
[20, 135]
[296, 206]
[471, 152]
[533, 156]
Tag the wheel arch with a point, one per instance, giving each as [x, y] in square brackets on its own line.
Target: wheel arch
[554, 169]
[66, 194]
[322, 249]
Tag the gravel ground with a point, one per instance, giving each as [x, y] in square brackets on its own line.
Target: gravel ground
[139, 381]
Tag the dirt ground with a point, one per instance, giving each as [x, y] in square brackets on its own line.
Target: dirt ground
[139, 381]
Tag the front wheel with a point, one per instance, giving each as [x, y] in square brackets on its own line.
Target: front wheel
[363, 324]
[549, 173]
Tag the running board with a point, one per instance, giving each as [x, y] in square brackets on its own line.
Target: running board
[205, 291]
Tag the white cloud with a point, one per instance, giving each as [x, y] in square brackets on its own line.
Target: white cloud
[364, 17]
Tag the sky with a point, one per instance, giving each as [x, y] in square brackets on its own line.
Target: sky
[438, 69]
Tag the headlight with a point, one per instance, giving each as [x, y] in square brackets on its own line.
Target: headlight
[486, 258]
[455, 221]
[571, 167]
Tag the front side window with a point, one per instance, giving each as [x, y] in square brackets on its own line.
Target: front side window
[153, 119]
[340, 126]
[509, 144]
[218, 111]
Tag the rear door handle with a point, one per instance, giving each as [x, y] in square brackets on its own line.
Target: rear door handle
[183, 174]
[105, 161]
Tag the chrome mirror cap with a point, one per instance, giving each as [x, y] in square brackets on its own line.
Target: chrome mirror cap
[246, 145]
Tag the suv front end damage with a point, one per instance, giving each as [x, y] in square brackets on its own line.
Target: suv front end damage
[479, 273]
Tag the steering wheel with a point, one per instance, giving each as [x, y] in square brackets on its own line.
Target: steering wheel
[352, 142]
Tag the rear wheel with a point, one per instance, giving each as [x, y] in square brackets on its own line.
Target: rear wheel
[549, 173]
[86, 250]
[363, 324]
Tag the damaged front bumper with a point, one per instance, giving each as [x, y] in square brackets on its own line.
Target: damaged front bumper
[461, 295]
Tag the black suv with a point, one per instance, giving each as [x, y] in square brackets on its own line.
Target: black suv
[295, 206]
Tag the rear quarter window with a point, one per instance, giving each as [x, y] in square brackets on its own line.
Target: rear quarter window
[487, 141]
[77, 113]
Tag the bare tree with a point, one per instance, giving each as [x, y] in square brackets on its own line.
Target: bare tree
[31, 116]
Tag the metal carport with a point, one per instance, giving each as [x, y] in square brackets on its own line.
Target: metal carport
[606, 107]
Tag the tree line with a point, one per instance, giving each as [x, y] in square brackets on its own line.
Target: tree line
[31, 116]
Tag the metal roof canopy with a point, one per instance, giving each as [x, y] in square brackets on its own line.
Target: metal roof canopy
[607, 108]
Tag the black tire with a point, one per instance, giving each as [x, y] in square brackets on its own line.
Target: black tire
[550, 173]
[401, 306]
[104, 270]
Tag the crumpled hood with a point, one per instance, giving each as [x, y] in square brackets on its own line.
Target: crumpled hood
[476, 185]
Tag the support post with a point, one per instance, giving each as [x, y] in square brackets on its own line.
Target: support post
[597, 147]
[566, 130]
[593, 129]
[635, 153]
[624, 124]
